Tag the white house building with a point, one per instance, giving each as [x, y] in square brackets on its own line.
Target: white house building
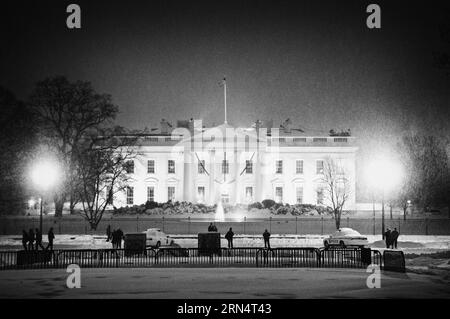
[190, 162]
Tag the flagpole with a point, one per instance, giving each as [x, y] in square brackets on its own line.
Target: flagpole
[225, 97]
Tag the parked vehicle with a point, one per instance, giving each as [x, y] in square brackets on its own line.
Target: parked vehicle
[157, 238]
[345, 237]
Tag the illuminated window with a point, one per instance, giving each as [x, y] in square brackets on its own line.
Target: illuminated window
[320, 196]
[319, 167]
[171, 167]
[171, 193]
[225, 167]
[299, 167]
[248, 167]
[150, 193]
[279, 194]
[201, 167]
[130, 195]
[279, 167]
[151, 167]
[129, 167]
[299, 194]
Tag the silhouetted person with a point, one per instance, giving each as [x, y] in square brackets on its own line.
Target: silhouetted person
[31, 239]
[25, 239]
[210, 227]
[266, 236]
[51, 237]
[114, 238]
[39, 239]
[214, 227]
[229, 236]
[120, 236]
[387, 238]
[108, 233]
[394, 237]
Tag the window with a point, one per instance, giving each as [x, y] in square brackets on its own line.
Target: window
[151, 167]
[320, 196]
[248, 167]
[299, 194]
[282, 140]
[299, 139]
[171, 193]
[129, 167]
[225, 198]
[171, 167]
[249, 194]
[201, 167]
[201, 193]
[299, 167]
[278, 167]
[319, 139]
[150, 193]
[319, 167]
[279, 194]
[130, 195]
[225, 167]
[340, 140]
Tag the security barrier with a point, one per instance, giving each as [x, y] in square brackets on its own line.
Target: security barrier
[191, 257]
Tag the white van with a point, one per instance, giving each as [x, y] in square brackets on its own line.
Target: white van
[156, 238]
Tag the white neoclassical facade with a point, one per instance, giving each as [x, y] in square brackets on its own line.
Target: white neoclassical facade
[193, 163]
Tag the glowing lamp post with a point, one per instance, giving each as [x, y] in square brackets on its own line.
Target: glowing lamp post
[45, 174]
[384, 175]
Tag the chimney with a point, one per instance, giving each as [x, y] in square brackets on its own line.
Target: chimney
[165, 127]
[287, 126]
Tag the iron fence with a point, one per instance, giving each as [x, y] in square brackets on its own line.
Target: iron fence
[192, 257]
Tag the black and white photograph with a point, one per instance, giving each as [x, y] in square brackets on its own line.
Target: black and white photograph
[224, 154]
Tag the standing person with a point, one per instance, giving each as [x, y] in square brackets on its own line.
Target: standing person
[387, 238]
[31, 239]
[229, 236]
[114, 238]
[51, 237]
[394, 237]
[108, 233]
[120, 236]
[24, 239]
[266, 236]
[39, 239]
[210, 227]
[214, 227]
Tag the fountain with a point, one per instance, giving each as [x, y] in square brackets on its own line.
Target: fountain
[219, 217]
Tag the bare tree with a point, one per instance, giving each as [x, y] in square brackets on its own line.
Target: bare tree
[66, 113]
[336, 187]
[103, 173]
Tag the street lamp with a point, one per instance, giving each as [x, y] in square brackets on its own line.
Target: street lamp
[45, 174]
[384, 174]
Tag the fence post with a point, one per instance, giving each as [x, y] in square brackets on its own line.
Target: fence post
[322, 225]
[189, 225]
[296, 221]
[245, 221]
[163, 223]
[137, 223]
[399, 225]
[348, 221]
[374, 226]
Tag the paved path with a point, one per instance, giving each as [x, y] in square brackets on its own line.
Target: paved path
[218, 283]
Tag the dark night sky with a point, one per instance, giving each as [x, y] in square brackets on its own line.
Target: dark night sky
[315, 62]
